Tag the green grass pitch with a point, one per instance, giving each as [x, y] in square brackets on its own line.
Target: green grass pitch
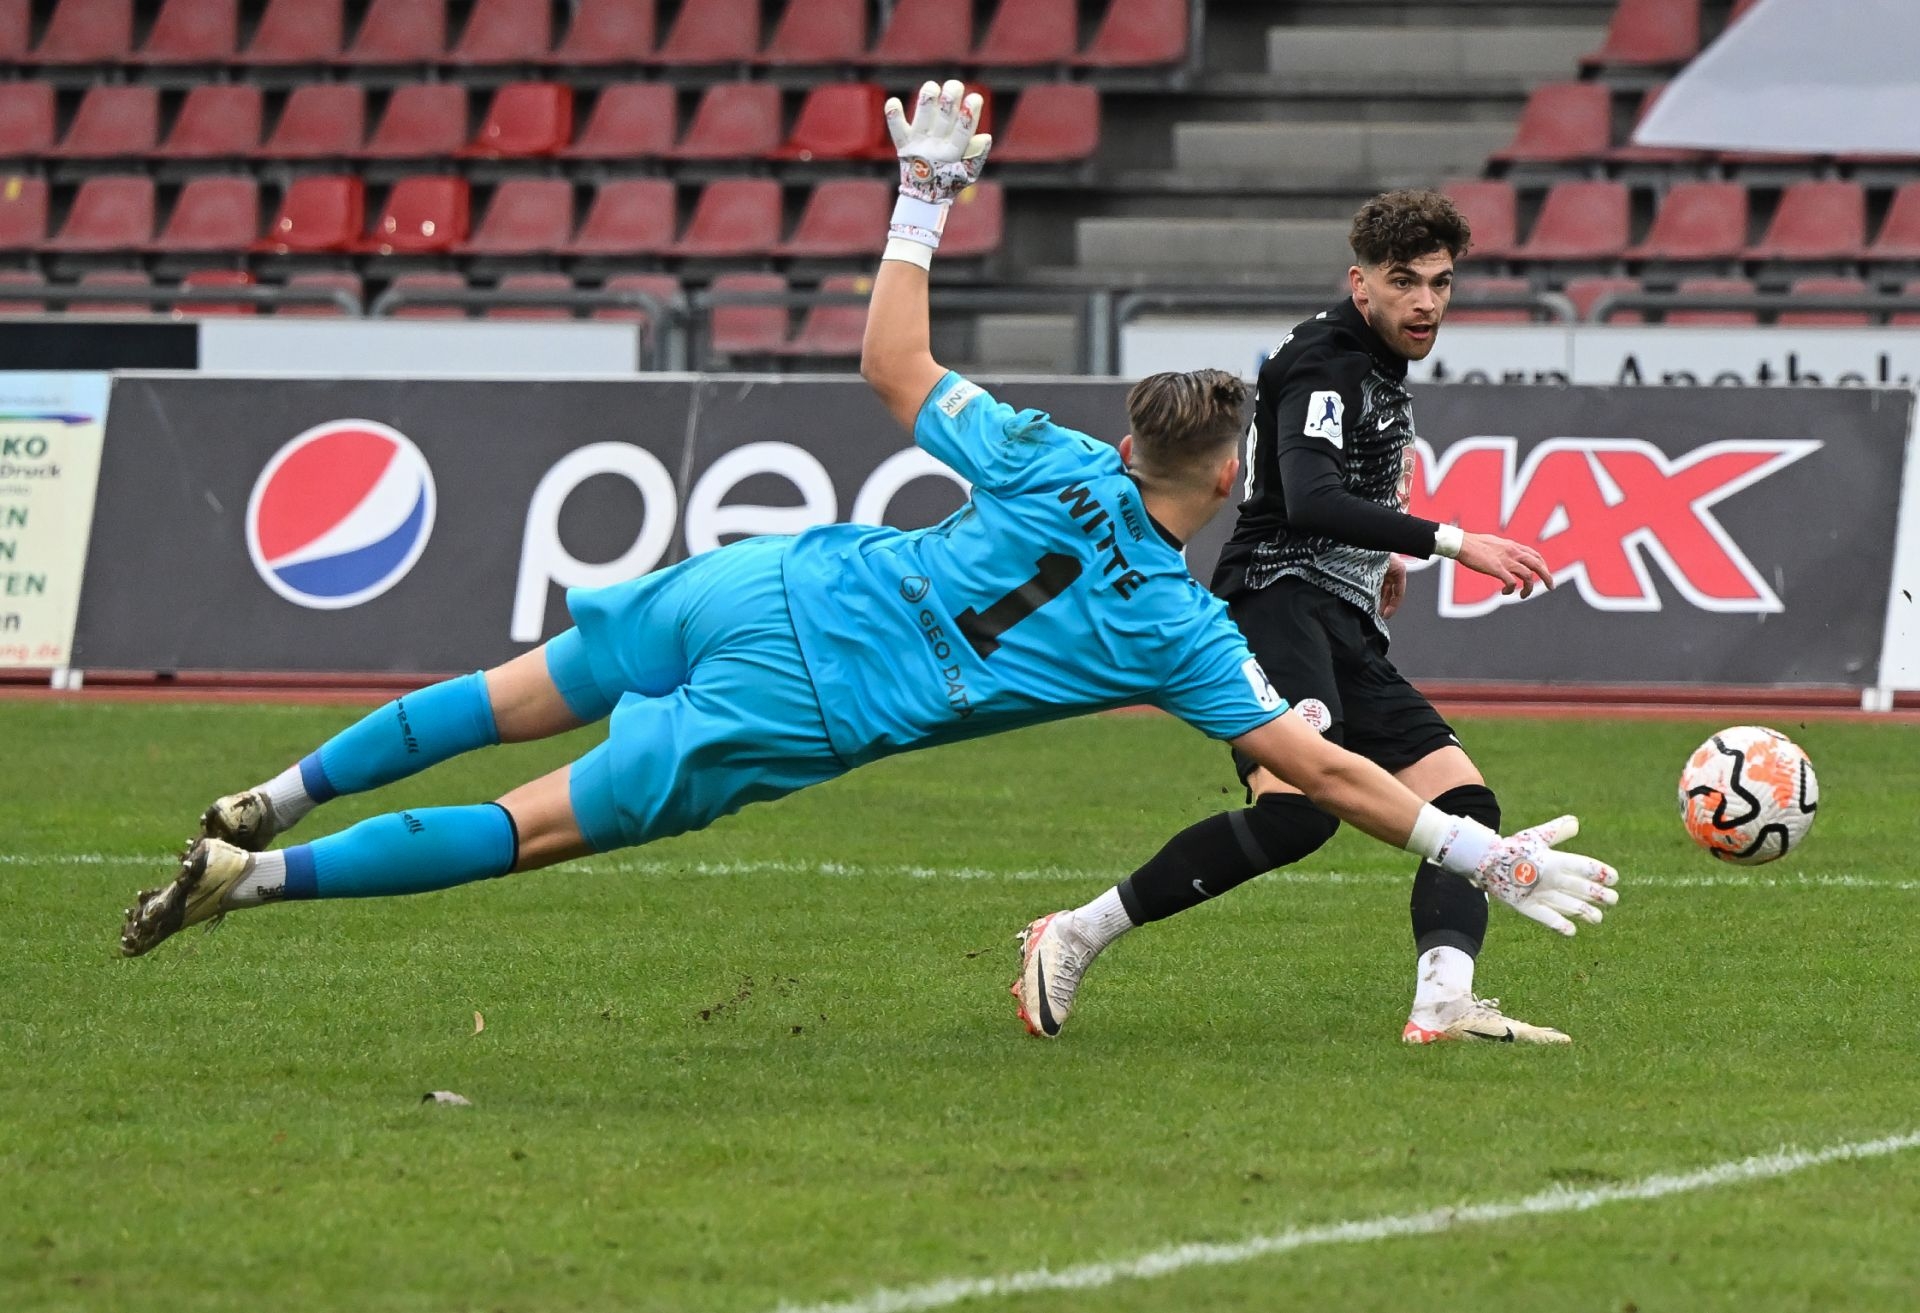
[776, 1063]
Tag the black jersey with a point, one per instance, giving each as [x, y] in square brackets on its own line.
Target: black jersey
[1329, 465]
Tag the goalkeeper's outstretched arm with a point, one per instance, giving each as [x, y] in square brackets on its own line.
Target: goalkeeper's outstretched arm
[940, 156]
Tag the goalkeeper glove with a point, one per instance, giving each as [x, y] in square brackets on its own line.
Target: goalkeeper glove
[1522, 871]
[940, 157]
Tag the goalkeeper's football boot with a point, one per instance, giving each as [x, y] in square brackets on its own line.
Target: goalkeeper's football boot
[208, 871]
[1052, 960]
[1479, 1019]
[245, 820]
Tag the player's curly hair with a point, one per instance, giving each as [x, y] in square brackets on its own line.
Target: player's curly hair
[1180, 421]
[1398, 227]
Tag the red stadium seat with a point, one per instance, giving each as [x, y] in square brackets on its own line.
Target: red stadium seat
[23, 213]
[1464, 312]
[843, 218]
[424, 120]
[108, 214]
[1489, 208]
[1899, 237]
[664, 288]
[215, 122]
[832, 330]
[17, 280]
[1907, 318]
[322, 121]
[213, 214]
[15, 28]
[1563, 122]
[1586, 292]
[1027, 32]
[1631, 154]
[429, 281]
[424, 215]
[818, 32]
[338, 280]
[525, 119]
[629, 121]
[977, 223]
[1817, 220]
[193, 32]
[839, 121]
[712, 32]
[1579, 221]
[527, 216]
[26, 119]
[628, 216]
[317, 214]
[1697, 221]
[608, 32]
[206, 278]
[113, 123]
[504, 32]
[297, 32]
[1644, 33]
[1139, 34]
[1715, 318]
[1051, 123]
[113, 278]
[734, 121]
[931, 32]
[1826, 318]
[748, 330]
[87, 32]
[547, 282]
[400, 32]
[733, 217]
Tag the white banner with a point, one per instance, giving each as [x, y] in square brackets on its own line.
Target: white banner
[1827, 77]
[419, 348]
[1620, 354]
[51, 427]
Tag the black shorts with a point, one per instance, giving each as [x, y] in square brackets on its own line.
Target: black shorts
[1330, 662]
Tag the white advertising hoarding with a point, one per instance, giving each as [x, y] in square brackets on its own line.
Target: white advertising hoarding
[419, 348]
[51, 428]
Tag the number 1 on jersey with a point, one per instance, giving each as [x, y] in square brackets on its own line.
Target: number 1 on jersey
[1054, 573]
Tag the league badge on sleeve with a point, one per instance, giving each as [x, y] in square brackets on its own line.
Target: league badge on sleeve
[1263, 690]
[1325, 412]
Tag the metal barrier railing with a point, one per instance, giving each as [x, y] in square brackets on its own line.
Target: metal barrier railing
[1872, 303]
[183, 298]
[663, 339]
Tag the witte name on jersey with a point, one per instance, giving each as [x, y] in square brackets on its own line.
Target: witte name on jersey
[1326, 414]
[1263, 690]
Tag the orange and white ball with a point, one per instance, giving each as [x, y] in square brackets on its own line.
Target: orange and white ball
[1748, 795]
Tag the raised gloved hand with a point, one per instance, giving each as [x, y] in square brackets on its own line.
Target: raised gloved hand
[940, 156]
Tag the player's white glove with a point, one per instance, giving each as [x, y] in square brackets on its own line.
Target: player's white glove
[1524, 872]
[940, 157]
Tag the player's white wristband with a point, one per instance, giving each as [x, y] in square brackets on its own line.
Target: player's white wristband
[1448, 539]
[917, 220]
[1455, 843]
[901, 248]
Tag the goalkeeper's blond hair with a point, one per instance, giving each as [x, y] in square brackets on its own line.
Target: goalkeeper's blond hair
[1184, 422]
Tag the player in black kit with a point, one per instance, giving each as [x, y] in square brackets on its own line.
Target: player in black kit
[1311, 575]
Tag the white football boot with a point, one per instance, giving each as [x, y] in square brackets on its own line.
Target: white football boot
[1478, 1019]
[245, 820]
[1052, 960]
[209, 870]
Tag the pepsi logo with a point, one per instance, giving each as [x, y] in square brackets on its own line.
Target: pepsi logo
[340, 514]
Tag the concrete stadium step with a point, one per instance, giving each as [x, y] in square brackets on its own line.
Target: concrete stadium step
[1284, 250]
[1378, 154]
[1344, 57]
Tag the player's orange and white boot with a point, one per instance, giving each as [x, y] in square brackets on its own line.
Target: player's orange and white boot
[245, 820]
[1476, 1019]
[207, 874]
[1052, 960]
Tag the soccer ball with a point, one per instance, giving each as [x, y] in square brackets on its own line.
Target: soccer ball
[1748, 795]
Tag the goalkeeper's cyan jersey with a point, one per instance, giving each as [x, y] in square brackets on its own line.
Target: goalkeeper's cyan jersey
[1050, 592]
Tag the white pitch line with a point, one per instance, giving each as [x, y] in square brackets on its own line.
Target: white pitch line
[1164, 1262]
[1735, 880]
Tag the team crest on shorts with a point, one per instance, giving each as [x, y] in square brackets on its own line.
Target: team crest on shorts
[1315, 713]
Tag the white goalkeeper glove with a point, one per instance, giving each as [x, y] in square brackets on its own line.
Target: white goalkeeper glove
[940, 157]
[1523, 871]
